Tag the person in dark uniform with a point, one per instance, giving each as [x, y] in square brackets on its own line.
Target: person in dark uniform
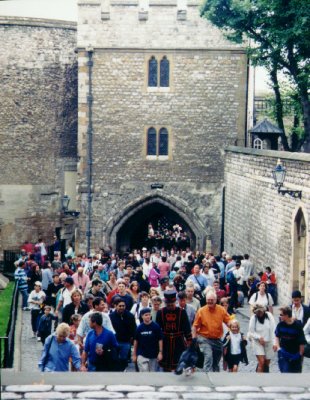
[176, 330]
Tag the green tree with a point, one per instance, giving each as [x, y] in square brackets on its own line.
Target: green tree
[279, 40]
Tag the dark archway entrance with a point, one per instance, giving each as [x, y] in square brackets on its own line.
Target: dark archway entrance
[134, 232]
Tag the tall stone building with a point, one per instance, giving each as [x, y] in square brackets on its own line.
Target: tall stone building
[161, 94]
[38, 127]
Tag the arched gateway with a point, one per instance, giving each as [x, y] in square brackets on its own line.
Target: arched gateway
[129, 228]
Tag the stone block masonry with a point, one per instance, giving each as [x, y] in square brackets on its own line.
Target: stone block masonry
[264, 223]
[38, 124]
[203, 109]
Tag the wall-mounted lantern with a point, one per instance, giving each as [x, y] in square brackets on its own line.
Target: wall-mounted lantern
[65, 200]
[279, 177]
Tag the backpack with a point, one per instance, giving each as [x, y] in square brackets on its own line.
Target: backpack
[230, 278]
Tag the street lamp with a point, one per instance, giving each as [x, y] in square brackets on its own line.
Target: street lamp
[279, 173]
[65, 200]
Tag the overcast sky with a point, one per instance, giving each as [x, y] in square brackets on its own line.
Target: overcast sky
[54, 9]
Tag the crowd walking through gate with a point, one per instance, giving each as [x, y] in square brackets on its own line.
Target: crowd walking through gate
[163, 310]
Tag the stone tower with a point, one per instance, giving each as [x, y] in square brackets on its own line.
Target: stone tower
[161, 94]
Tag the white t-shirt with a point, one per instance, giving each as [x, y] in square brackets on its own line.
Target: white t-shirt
[257, 298]
[235, 343]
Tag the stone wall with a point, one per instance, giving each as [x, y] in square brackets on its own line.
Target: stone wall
[38, 124]
[203, 109]
[259, 220]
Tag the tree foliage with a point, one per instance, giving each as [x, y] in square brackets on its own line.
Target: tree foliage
[279, 39]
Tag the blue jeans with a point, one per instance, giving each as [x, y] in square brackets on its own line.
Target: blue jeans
[24, 293]
[90, 367]
[287, 365]
[123, 355]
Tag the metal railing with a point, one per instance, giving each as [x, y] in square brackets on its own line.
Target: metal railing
[7, 343]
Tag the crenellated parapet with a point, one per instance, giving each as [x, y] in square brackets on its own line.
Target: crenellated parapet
[169, 24]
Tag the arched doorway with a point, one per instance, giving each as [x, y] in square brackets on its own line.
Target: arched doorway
[129, 228]
[134, 232]
[299, 252]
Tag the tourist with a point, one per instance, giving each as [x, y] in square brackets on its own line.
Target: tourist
[45, 324]
[270, 278]
[111, 284]
[34, 275]
[154, 276]
[64, 295]
[35, 301]
[156, 306]
[58, 350]
[52, 290]
[190, 299]
[176, 330]
[124, 325]
[143, 302]
[261, 334]
[234, 347]
[134, 290]
[43, 251]
[122, 293]
[208, 273]
[290, 342]
[163, 267]
[99, 341]
[77, 306]
[199, 280]
[190, 311]
[262, 297]
[98, 306]
[208, 329]
[148, 343]
[80, 279]
[300, 312]
[248, 271]
[47, 275]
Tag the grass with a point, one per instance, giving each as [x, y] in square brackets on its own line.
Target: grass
[6, 296]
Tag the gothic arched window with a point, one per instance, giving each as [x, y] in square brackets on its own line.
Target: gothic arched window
[157, 143]
[151, 142]
[163, 142]
[164, 72]
[153, 72]
[158, 72]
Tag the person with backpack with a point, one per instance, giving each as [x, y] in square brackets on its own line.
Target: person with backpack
[262, 297]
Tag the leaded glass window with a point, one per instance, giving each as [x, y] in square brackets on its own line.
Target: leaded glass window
[164, 72]
[153, 71]
[163, 142]
[151, 142]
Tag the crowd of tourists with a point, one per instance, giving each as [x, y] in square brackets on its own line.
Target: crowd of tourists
[148, 306]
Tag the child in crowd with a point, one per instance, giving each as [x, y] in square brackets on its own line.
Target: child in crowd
[235, 347]
[45, 324]
[74, 324]
[35, 301]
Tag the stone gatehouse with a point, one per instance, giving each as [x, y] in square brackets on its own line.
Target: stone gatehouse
[168, 94]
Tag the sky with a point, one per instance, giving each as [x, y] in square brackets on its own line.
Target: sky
[54, 9]
[67, 10]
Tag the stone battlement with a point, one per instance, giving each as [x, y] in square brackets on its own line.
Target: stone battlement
[173, 24]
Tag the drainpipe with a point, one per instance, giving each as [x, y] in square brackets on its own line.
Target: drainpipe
[90, 63]
[223, 221]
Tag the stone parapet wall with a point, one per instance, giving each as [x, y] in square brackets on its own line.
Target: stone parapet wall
[259, 220]
[38, 124]
[147, 24]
